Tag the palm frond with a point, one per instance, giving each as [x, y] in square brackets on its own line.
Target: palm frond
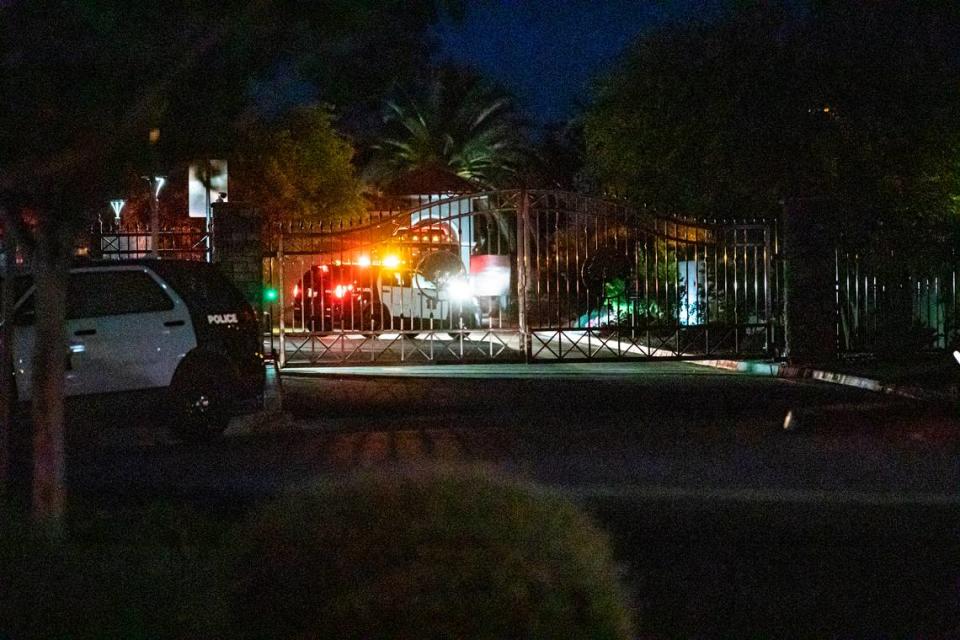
[459, 122]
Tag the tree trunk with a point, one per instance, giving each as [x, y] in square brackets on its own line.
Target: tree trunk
[49, 365]
[7, 409]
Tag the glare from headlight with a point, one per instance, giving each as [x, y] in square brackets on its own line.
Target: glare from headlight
[459, 290]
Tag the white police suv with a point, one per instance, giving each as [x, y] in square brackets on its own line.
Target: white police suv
[175, 331]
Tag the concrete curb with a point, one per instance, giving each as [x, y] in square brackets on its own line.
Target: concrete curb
[783, 370]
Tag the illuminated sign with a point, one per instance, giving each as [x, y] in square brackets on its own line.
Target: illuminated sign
[206, 181]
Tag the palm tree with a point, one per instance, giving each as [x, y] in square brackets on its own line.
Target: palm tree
[458, 122]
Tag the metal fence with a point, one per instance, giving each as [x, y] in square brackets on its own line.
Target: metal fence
[524, 275]
[887, 304]
[109, 241]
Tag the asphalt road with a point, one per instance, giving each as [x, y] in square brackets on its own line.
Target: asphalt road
[670, 429]
[726, 523]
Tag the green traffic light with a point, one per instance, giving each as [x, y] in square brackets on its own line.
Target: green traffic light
[270, 295]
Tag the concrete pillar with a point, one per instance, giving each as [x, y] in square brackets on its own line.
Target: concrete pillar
[238, 248]
[811, 229]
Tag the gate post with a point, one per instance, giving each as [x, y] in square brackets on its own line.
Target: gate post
[238, 244]
[810, 284]
[282, 357]
[238, 240]
[523, 266]
[769, 281]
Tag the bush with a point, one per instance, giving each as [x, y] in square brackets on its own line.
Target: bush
[450, 553]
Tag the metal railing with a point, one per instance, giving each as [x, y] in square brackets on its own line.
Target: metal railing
[885, 304]
[114, 242]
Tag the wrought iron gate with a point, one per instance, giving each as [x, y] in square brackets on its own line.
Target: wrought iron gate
[521, 276]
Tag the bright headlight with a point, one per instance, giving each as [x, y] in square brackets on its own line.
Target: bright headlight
[459, 290]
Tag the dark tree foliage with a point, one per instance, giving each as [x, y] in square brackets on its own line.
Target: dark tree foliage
[85, 82]
[858, 102]
[456, 120]
[558, 162]
[299, 169]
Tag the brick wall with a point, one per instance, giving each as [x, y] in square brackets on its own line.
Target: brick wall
[238, 248]
[809, 238]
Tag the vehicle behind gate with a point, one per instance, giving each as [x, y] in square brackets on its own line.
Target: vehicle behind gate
[415, 281]
[176, 332]
[332, 297]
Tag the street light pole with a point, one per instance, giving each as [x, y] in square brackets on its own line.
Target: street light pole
[117, 206]
[156, 184]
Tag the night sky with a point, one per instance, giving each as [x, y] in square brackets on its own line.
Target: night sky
[547, 52]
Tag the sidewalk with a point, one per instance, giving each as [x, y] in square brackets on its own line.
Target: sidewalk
[932, 376]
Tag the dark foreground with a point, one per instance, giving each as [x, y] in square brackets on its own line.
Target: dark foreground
[725, 525]
[788, 570]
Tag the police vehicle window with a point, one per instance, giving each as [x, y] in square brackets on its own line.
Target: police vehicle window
[399, 278]
[202, 287]
[114, 293]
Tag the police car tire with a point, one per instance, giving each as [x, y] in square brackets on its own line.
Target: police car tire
[198, 399]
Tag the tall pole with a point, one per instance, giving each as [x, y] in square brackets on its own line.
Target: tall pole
[117, 206]
[7, 407]
[156, 184]
[523, 248]
[283, 342]
[154, 217]
[208, 244]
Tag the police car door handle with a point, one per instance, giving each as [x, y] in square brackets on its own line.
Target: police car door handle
[85, 332]
[174, 323]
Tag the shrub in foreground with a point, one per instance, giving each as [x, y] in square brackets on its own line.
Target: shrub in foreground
[448, 553]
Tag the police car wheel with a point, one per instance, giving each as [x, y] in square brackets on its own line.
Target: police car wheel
[199, 402]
